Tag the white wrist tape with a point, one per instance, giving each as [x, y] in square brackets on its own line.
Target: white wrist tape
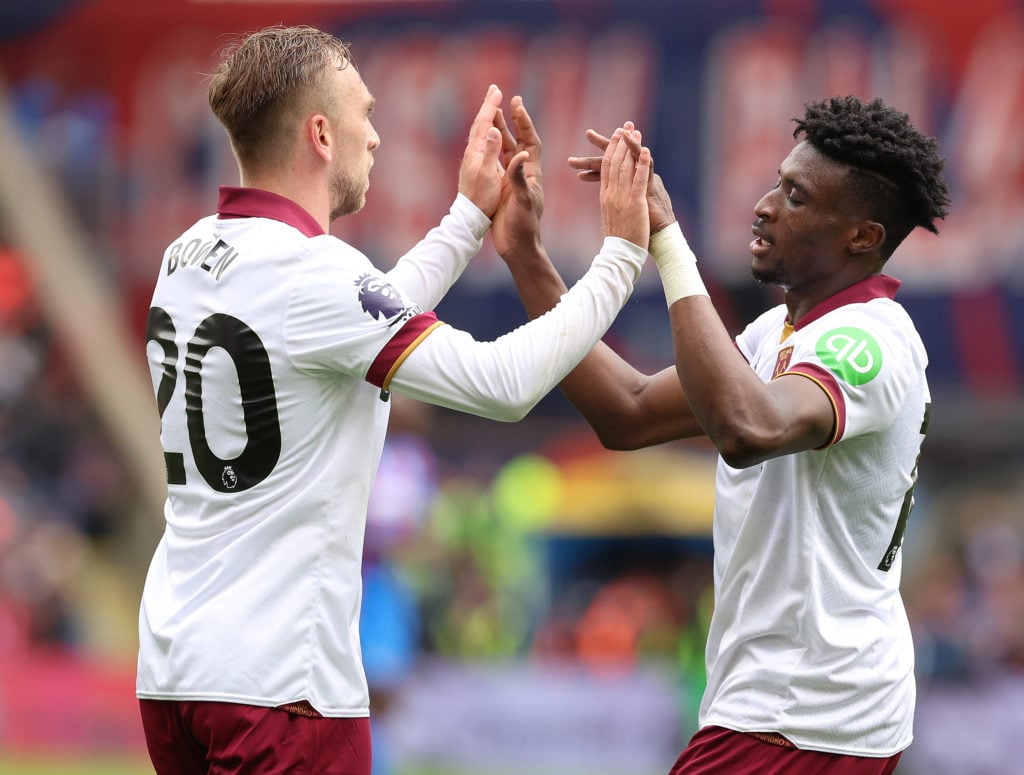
[677, 264]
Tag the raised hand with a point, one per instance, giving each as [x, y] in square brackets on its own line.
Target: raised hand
[588, 168]
[481, 172]
[516, 223]
[624, 181]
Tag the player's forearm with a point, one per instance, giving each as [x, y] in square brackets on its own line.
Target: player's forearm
[538, 283]
[626, 408]
[505, 378]
[430, 268]
[726, 396]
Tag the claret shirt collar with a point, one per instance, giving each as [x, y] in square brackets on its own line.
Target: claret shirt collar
[879, 286]
[237, 202]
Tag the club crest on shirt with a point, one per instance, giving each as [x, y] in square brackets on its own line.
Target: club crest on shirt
[782, 361]
[378, 298]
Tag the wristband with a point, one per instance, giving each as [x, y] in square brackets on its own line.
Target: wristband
[677, 264]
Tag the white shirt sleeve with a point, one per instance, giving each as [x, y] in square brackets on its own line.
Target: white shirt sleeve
[504, 379]
[428, 270]
[868, 358]
[341, 310]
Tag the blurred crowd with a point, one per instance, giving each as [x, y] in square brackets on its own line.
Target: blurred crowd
[964, 585]
[62, 489]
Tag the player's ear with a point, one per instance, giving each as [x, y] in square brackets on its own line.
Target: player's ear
[320, 136]
[867, 237]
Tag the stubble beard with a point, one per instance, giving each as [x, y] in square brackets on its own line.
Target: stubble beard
[765, 276]
[347, 195]
[772, 275]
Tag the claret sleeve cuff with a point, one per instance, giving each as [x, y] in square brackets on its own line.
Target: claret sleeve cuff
[398, 348]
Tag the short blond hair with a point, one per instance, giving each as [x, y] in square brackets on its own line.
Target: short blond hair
[267, 80]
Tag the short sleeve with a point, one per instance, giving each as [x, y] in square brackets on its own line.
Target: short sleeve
[866, 363]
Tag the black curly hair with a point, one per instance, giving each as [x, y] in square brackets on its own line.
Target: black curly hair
[896, 170]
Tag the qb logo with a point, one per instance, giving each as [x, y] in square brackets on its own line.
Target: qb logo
[852, 353]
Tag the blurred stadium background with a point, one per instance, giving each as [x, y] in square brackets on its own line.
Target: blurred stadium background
[534, 604]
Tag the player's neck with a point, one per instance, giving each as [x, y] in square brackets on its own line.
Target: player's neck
[302, 188]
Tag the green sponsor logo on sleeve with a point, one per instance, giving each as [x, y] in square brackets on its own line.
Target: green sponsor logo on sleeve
[852, 353]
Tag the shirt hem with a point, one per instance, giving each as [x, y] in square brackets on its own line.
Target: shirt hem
[259, 702]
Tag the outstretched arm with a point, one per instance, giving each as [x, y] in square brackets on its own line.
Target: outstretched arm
[503, 379]
[626, 408]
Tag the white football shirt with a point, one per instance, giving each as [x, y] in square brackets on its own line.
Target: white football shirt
[272, 346]
[809, 637]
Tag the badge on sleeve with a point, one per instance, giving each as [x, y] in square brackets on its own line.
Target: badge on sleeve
[378, 299]
[851, 353]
